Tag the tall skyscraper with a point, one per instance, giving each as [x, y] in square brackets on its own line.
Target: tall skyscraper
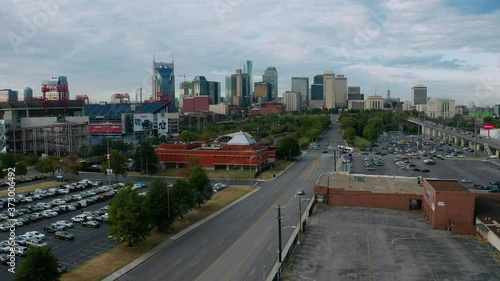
[200, 86]
[28, 93]
[262, 92]
[164, 81]
[318, 79]
[340, 91]
[238, 88]
[317, 92]
[418, 95]
[301, 85]
[214, 92]
[329, 89]
[229, 87]
[271, 76]
[248, 68]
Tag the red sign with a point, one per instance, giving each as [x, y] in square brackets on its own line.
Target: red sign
[108, 156]
[489, 127]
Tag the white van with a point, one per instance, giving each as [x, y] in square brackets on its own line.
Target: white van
[78, 219]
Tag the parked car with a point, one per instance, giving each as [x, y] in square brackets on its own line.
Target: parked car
[65, 235]
[92, 223]
[34, 242]
[53, 228]
[466, 181]
[301, 192]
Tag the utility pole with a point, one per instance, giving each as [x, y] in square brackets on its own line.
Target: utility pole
[300, 212]
[279, 237]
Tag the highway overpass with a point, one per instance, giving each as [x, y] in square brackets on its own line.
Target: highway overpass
[490, 147]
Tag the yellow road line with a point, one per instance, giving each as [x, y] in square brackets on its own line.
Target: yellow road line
[313, 169]
[250, 252]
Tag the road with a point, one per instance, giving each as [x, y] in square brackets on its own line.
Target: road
[241, 243]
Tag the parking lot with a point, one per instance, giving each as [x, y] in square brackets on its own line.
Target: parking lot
[459, 165]
[351, 243]
[87, 244]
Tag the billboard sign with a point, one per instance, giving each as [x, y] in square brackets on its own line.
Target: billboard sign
[489, 127]
[162, 126]
[143, 122]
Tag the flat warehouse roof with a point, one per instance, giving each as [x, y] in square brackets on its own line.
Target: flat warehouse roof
[447, 185]
[377, 184]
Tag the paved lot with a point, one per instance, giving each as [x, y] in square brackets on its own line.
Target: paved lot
[350, 243]
[476, 170]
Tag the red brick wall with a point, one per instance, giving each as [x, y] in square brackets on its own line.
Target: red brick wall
[458, 208]
[341, 197]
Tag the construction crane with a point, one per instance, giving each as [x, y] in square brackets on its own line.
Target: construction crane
[62, 91]
[84, 98]
[121, 97]
[185, 85]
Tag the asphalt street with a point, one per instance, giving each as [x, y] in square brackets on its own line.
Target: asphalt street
[241, 243]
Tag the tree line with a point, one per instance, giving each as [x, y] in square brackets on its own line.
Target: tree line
[133, 216]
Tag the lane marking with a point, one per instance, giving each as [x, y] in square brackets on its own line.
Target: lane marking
[203, 242]
[369, 259]
[220, 242]
[269, 248]
[177, 262]
[313, 169]
[195, 263]
[237, 227]
[252, 271]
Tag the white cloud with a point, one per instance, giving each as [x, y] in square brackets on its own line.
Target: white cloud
[104, 47]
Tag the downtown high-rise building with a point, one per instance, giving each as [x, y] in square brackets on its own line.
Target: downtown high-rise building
[28, 93]
[271, 76]
[164, 82]
[239, 92]
[340, 91]
[248, 68]
[354, 93]
[301, 85]
[214, 92]
[292, 101]
[329, 89]
[418, 95]
[262, 92]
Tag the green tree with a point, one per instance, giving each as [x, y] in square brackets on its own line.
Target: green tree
[350, 134]
[145, 158]
[288, 147]
[48, 164]
[187, 136]
[31, 159]
[201, 184]
[488, 119]
[7, 160]
[21, 168]
[183, 195]
[129, 217]
[160, 204]
[40, 264]
[117, 163]
[71, 164]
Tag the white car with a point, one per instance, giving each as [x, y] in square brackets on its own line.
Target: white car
[460, 156]
[65, 223]
[35, 234]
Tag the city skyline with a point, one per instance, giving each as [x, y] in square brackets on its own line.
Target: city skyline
[377, 45]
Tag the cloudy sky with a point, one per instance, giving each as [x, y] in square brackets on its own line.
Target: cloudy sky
[104, 47]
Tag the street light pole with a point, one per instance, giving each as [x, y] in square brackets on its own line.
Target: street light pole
[109, 163]
[279, 237]
[300, 212]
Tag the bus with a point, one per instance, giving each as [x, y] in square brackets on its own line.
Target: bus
[345, 149]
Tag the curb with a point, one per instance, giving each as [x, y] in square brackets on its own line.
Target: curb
[133, 264]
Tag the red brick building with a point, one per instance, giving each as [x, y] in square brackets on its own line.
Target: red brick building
[448, 205]
[268, 108]
[195, 104]
[237, 150]
[371, 192]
